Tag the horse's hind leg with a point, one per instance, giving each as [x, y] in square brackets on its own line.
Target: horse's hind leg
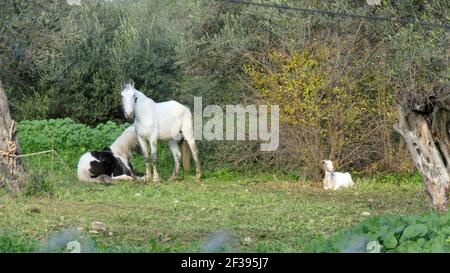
[193, 147]
[144, 147]
[188, 135]
[176, 157]
[154, 159]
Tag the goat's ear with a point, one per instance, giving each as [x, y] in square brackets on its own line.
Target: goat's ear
[122, 85]
[132, 82]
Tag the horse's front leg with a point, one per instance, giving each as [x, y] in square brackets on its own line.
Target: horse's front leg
[144, 147]
[154, 159]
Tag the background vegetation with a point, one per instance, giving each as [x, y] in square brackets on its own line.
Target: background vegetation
[227, 211]
[335, 77]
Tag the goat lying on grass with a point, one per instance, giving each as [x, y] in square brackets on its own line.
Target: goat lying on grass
[335, 180]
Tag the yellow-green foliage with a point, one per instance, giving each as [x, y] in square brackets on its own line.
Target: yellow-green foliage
[294, 83]
[327, 112]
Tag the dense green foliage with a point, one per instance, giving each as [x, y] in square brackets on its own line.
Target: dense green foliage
[393, 233]
[70, 140]
[67, 138]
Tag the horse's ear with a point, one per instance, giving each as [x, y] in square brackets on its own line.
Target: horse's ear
[122, 85]
[132, 82]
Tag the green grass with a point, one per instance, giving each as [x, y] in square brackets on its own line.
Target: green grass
[263, 213]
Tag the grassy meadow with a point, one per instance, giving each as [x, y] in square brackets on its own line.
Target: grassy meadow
[338, 82]
[258, 211]
[262, 213]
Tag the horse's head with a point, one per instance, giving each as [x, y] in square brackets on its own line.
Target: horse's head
[129, 98]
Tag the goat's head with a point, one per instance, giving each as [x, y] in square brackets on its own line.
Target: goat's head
[327, 165]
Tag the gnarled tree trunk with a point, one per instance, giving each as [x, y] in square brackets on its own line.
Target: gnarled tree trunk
[425, 125]
[12, 174]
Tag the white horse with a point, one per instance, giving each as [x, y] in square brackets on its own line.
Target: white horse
[169, 121]
[335, 180]
[110, 163]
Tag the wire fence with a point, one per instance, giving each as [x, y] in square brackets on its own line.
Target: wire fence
[338, 14]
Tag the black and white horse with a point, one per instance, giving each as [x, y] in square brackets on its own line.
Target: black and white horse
[110, 163]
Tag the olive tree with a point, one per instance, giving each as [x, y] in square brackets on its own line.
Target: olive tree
[11, 171]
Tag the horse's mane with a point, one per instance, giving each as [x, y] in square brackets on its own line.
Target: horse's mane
[126, 143]
[142, 95]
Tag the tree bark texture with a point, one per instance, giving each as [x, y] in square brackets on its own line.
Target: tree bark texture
[11, 170]
[425, 127]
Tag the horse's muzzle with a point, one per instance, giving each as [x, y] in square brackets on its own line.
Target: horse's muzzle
[129, 116]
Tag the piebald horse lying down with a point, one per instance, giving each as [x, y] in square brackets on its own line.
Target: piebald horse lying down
[110, 163]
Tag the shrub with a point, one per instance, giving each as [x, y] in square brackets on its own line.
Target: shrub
[327, 119]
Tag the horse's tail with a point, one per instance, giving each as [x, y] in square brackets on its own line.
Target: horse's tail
[186, 156]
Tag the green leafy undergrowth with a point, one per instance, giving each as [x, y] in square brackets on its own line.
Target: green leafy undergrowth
[65, 136]
[393, 233]
[71, 140]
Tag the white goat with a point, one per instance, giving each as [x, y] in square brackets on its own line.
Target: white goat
[335, 180]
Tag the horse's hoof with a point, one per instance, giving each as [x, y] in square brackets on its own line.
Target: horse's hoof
[156, 179]
[147, 179]
[197, 177]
